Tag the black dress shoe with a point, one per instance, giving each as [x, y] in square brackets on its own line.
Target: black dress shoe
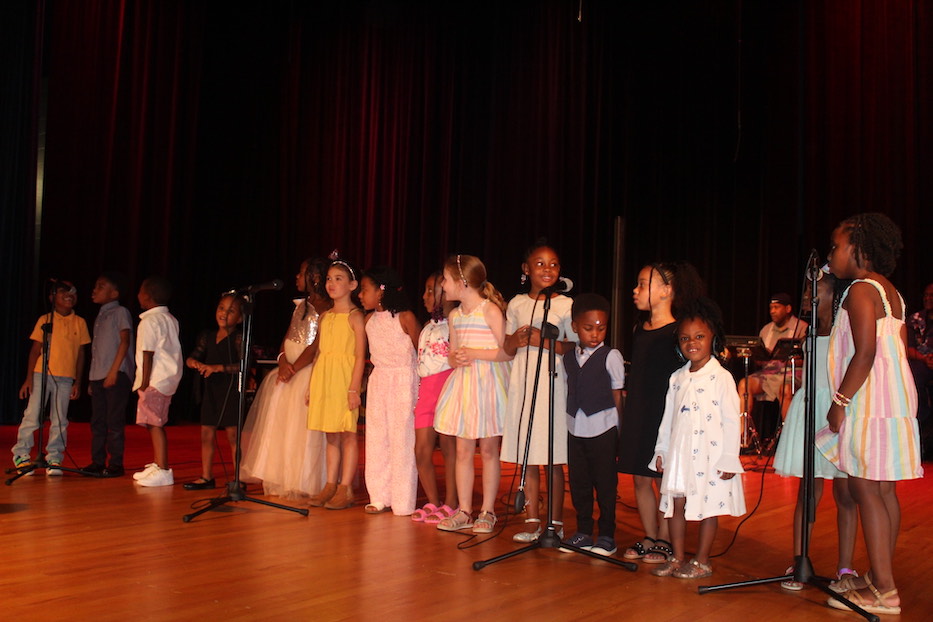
[113, 471]
[203, 485]
[93, 469]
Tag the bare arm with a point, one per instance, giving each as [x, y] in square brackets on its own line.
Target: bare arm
[34, 353]
[410, 326]
[147, 369]
[79, 373]
[356, 379]
[496, 323]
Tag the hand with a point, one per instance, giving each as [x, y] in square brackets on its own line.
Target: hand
[110, 380]
[75, 391]
[90, 389]
[461, 358]
[726, 475]
[353, 401]
[835, 417]
[26, 390]
[658, 465]
[207, 370]
[523, 336]
[286, 370]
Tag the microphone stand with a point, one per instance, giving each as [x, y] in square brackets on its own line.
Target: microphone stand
[45, 404]
[549, 538]
[236, 491]
[803, 567]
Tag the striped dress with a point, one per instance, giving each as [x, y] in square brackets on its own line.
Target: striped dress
[473, 399]
[879, 439]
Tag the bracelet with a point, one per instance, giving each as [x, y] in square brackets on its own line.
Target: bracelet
[352, 391]
[281, 354]
[841, 400]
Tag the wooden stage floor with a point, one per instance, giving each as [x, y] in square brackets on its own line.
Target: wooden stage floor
[77, 548]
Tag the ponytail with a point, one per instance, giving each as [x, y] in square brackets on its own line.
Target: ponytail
[489, 292]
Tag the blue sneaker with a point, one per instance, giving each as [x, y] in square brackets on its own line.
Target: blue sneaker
[604, 546]
[579, 540]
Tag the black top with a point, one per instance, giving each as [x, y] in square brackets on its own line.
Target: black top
[653, 360]
[220, 397]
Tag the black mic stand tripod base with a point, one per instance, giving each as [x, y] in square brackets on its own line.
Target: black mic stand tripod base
[548, 538]
[236, 491]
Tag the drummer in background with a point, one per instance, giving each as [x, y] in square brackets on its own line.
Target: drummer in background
[774, 380]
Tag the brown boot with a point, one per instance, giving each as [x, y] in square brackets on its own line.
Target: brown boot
[341, 500]
[324, 496]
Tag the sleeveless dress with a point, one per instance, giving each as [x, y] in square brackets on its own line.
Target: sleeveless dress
[653, 361]
[327, 408]
[391, 476]
[788, 458]
[879, 438]
[280, 450]
[474, 396]
[524, 309]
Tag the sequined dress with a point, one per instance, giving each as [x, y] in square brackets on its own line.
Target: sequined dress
[279, 448]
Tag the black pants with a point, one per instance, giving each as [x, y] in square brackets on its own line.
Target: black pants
[591, 464]
[108, 419]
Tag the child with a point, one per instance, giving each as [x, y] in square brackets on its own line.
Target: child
[216, 357]
[523, 341]
[662, 289]
[63, 383]
[335, 385]
[159, 366]
[392, 332]
[281, 450]
[595, 377]
[110, 376]
[473, 398]
[698, 441]
[873, 434]
[434, 369]
[789, 456]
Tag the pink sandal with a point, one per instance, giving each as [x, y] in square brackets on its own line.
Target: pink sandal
[439, 514]
[422, 513]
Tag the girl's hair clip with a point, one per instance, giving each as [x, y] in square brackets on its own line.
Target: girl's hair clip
[460, 269]
[347, 266]
[382, 286]
[334, 255]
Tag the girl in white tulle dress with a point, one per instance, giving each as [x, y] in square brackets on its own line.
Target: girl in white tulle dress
[280, 450]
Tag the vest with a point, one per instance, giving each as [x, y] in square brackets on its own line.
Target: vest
[589, 388]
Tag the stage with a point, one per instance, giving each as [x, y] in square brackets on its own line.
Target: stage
[80, 548]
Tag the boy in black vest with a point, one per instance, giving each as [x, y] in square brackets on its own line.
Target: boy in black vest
[595, 376]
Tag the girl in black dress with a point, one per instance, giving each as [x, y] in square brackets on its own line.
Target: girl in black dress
[662, 290]
[217, 358]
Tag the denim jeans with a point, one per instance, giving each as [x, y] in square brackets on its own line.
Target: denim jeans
[59, 390]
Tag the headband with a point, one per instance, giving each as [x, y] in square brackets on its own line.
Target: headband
[347, 266]
[460, 269]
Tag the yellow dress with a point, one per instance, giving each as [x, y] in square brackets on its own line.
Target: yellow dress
[330, 378]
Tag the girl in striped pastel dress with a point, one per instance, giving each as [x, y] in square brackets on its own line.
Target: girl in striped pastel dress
[473, 399]
[873, 433]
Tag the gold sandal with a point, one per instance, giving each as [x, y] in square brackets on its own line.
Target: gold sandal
[485, 523]
[460, 520]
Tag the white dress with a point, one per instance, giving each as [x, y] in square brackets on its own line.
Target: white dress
[698, 439]
[280, 450]
[524, 310]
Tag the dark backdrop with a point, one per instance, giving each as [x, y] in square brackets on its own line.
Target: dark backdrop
[220, 142]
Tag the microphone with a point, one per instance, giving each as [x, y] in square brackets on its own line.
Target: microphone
[274, 284]
[563, 285]
[814, 268]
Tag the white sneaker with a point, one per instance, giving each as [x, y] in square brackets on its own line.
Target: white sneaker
[158, 477]
[146, 471]
[52, 471]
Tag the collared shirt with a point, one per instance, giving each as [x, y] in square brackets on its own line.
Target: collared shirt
[583, 426]
[69, 334]
[794, 328]
[111, 320]
[158, 333]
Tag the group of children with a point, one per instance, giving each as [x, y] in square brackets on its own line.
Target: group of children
[477, 374]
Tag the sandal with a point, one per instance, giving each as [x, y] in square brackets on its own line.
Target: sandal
[667, 568]
[529, 536]
[693, 570]
[658, 553]
[445, 511]
[485, 522]
[871, 606]
[460, 520]
[372, 508]
[790, 584]
[637, 550]
[422, 513]
[848, 579]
